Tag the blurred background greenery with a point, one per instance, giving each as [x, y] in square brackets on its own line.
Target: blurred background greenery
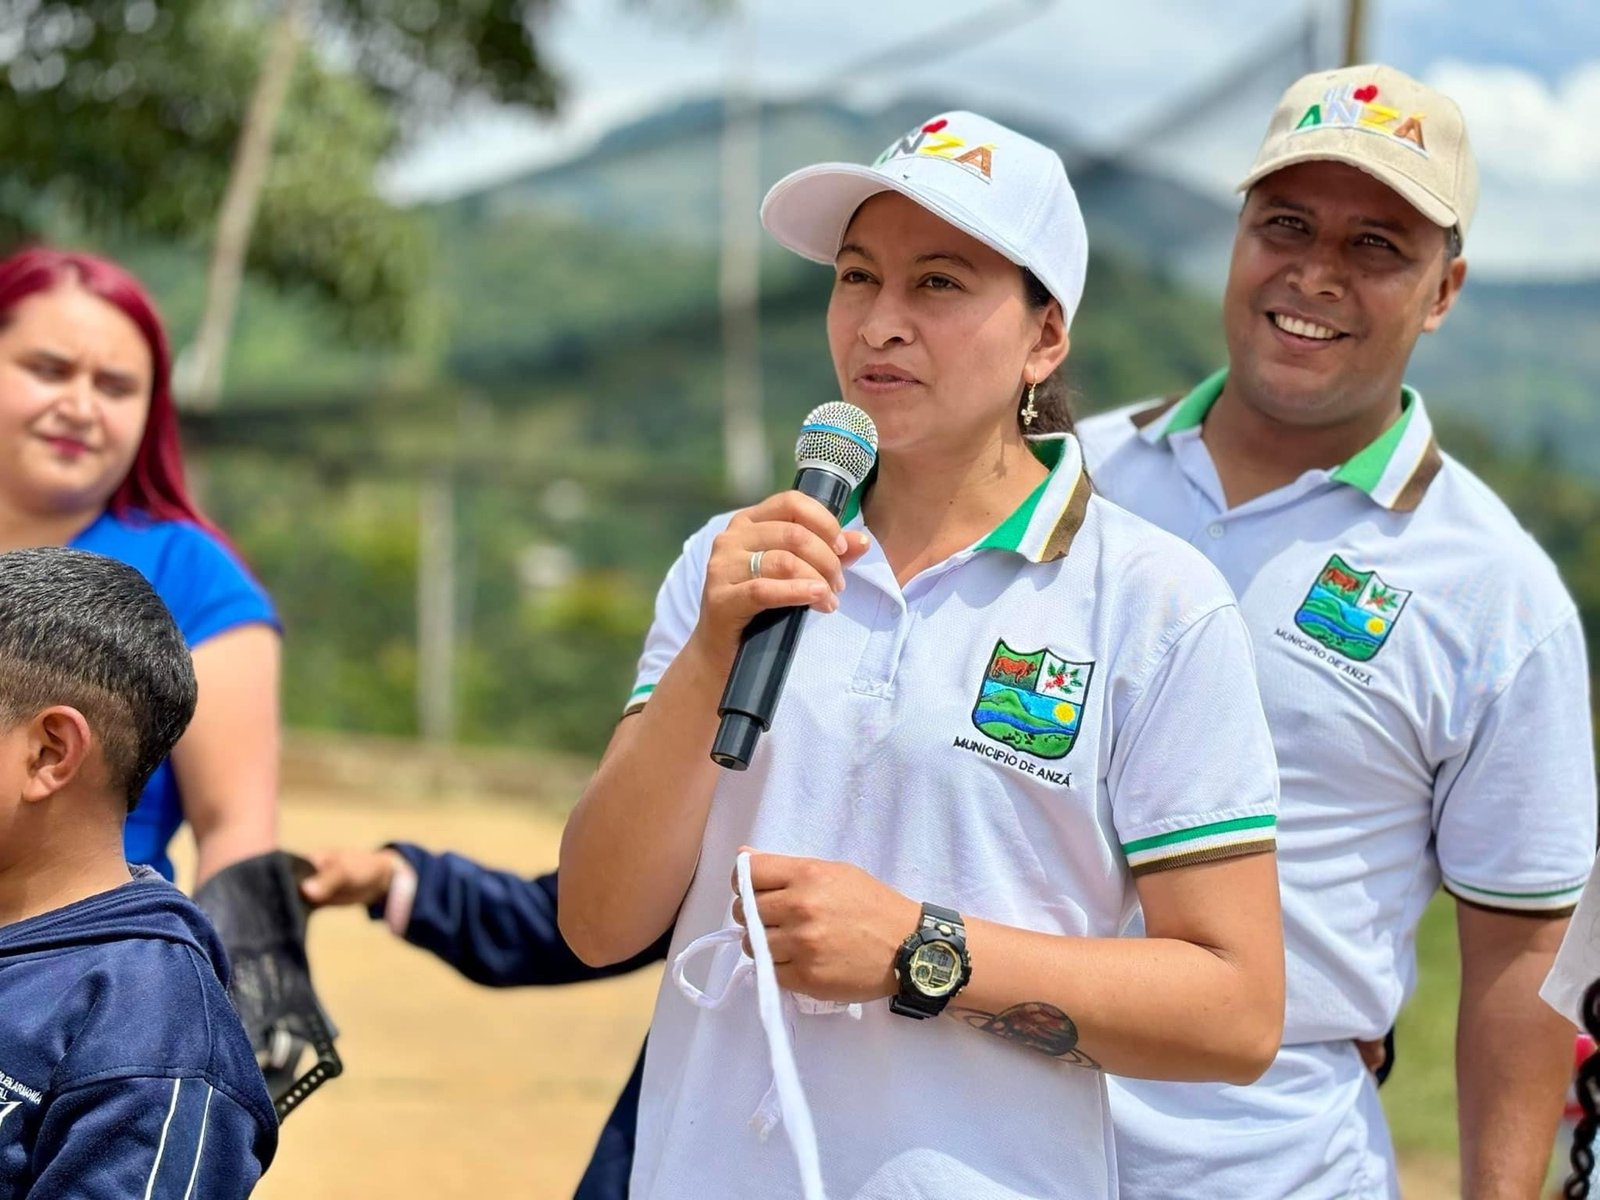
[460, 439]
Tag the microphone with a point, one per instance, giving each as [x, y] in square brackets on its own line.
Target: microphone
[837, 446]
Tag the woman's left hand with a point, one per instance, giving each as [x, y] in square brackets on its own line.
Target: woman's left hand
[832, 928]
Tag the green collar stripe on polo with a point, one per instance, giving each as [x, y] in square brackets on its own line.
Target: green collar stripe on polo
[1009, 534]
[1366, 468]
[1042, 527]
[1191, 411]
[852, 504]
[1394, 469]
[1035, 528]
[1414, 462]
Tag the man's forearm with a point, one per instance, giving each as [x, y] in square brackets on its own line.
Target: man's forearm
[1513, 1055]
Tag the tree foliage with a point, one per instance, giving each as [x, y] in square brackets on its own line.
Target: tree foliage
[421, 56]
[121, 118]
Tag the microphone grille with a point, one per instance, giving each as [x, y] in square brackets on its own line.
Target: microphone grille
[838, 437]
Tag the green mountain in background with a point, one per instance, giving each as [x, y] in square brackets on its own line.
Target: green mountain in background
[543, 275]
[1522, 356]
[661, 176]
[570, 388]
[1524, 361]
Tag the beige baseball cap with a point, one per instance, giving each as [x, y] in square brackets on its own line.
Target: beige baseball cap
[1383, 122]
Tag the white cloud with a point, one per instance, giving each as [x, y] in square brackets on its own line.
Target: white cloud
[618, 62]
[1524, 128]
[1536, 145]
[1095, 70]
[1102, 72]
[1539, 163]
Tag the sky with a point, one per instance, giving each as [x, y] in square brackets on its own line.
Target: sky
[1525, 72]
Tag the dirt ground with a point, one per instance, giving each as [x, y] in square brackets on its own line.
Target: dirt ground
[451, 1090]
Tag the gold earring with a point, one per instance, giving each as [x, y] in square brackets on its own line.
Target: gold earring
[1029, 412]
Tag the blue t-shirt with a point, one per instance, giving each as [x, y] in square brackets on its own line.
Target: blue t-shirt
[209, 592]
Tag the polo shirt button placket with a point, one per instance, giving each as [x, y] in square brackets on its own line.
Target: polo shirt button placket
[874, 675]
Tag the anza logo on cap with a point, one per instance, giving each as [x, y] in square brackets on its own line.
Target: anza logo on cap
[934, 140]
[1351, 107]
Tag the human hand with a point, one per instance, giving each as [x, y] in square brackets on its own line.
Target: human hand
[833, 929]
[1374, 1055]
[349, 876]
[803, 557]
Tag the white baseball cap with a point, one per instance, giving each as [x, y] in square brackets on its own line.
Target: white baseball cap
[1008, 191]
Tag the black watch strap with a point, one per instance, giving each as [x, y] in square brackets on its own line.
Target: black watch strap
[938, 924]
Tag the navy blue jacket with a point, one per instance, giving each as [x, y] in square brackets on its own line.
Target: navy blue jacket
[123, 1069]
[500, 930]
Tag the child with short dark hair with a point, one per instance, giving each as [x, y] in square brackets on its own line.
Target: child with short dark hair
[123, 1069]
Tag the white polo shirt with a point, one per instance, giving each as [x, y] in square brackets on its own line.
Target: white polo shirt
[1423, 672]
[1013, 734]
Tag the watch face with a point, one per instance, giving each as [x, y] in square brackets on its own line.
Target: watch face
[935, 968]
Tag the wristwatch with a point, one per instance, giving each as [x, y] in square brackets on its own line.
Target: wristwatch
[931, 965]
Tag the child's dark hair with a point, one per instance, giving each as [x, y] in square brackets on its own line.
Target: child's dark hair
[89, 632]
[1050, 398]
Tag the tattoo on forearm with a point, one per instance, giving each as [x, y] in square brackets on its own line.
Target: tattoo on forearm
[1036, 1025]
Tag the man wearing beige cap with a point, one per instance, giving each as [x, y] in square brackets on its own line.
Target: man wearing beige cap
[1421, 664]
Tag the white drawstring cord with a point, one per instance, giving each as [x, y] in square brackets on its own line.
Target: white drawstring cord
[785, 1075]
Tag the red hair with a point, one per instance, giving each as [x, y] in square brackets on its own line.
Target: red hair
[154, 483]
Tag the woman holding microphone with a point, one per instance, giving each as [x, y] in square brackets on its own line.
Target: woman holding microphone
[1016, 712]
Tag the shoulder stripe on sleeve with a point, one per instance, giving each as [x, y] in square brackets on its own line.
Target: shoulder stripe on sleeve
[205, 1118]
[176, 1171]
[1202, 843]
[1554, 901]
[637, 698]
[161, 1149]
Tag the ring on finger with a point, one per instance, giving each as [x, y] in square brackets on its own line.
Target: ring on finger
[755, 563]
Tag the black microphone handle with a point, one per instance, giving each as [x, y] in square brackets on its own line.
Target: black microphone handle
[766, 647]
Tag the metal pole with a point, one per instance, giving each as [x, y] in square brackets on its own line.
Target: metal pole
[1355, 21]
[747, 469]
[747, 465]
[436, 607]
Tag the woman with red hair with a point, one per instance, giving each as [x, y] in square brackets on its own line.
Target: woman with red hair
[89, 457]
